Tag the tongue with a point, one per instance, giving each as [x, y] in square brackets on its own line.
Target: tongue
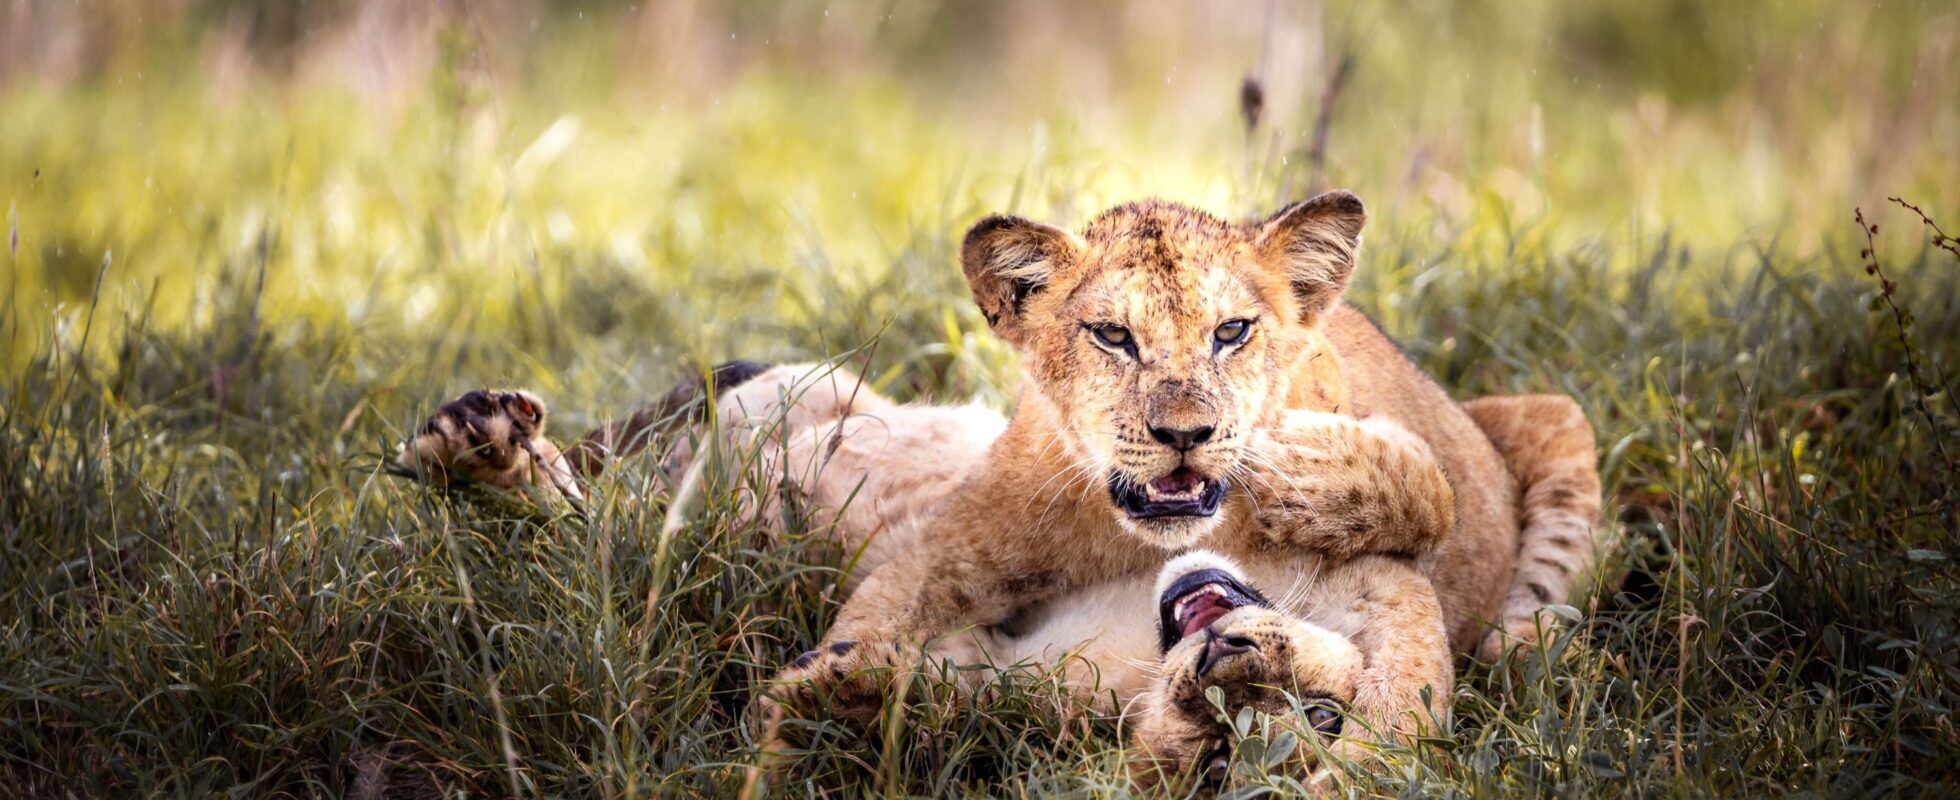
[1202, 611]
[1182, 481]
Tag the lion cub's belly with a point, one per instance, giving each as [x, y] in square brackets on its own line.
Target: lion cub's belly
[884, 473]
[1101, 639]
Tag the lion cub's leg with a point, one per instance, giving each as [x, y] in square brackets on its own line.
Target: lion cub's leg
[681, 407]
[750, 398]
[1340, 486]
[1548, 445]
[495, 438]
[1359, 502]
[1399, 626]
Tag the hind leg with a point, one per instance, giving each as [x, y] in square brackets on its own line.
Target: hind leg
[1548, 446]
[497, 437]
[748, 396]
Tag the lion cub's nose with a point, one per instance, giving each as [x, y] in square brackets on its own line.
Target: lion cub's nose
[1217, 648]
[1182, 439]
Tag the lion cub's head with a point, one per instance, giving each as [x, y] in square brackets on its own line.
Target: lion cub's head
[1163, 337]
[1218, 632]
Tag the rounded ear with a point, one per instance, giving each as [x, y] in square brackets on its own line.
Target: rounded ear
[1007, 260]
[1315, 242]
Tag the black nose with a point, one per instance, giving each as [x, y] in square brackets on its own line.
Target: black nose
[1218, 647]
[1184, 439]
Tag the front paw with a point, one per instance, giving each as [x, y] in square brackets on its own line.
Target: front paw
[844, 680]
[1346, 487]
[1518, 637]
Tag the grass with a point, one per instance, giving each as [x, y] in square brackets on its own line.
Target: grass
[218, 327]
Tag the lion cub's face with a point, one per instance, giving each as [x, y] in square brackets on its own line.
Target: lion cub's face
[1163, 337]
[1218, 632]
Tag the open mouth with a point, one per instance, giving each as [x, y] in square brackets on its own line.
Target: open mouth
[1198, 599]
[1182, 493]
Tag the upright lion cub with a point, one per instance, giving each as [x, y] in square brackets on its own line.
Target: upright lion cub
[1158, 344]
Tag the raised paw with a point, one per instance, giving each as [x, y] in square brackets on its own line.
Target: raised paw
[1345, 487]
[489, 437]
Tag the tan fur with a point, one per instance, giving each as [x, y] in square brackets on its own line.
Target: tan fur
[1169, 275]
[1475, 565]
[1548, 444]
[1099, 637]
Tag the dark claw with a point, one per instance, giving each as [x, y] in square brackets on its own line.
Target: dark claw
[804, 660]
[840, 648]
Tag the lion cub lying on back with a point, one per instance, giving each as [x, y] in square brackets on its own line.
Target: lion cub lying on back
[1147, 644]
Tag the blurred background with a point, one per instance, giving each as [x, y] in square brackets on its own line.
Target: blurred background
[381, 164]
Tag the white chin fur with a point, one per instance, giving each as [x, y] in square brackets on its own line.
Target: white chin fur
[1192, 562]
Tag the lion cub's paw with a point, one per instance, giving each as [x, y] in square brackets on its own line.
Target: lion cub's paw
[494, 438]
[846, 681]
[1347, 487]
[1517, 637]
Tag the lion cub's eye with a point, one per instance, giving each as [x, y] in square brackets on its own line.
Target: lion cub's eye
[1112, 336]
[1232, 332]
[1324, 718]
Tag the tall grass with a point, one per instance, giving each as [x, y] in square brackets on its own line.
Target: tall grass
[220, 592]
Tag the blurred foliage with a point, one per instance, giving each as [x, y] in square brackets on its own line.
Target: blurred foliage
[387, 156]
[250, 244]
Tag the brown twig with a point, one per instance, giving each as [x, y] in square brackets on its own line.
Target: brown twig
[1940, 239]
[1902, 324]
